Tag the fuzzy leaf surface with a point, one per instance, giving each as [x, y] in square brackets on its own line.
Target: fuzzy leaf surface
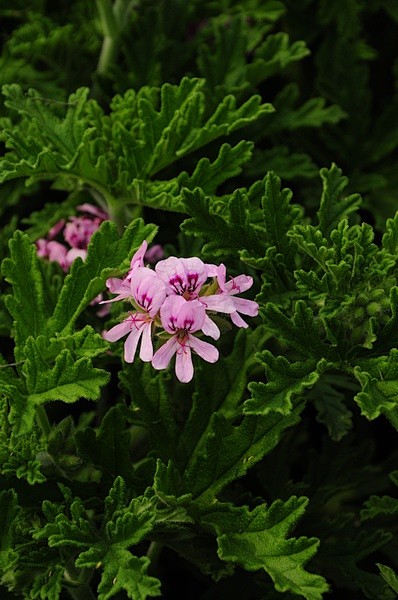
[258, 540]
[285, 381]
[231, 450]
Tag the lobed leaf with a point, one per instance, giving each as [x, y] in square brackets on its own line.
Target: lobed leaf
[334, 206]
[231, 450]
[228, 235]
[27, 304]
[285, 381]
[257, 540]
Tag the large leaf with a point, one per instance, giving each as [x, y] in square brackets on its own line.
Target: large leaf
[230, 451]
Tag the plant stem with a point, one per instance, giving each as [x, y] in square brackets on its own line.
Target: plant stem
[153, 553]
[113, 19]
[121, 214]
[82, 592]
[43, 421]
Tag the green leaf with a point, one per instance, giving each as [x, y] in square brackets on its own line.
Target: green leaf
[63, 530]
[67, 380]
[231, 450]
[384, 506]
[26, 305]
[379, 380]
[389, 576]
[218, 388]
[334, 206]
[223, 60]
[343, 559]
[108, 447]
[279, 214]
[123, 526]
[285, 381]
[279, 159]
[208, 176]
[330, 405]
[257, 540]
[273, 55]
[229, 234]
[390, 237]
[10, 513]
[226, 118]
[19, 455]
[123, 571]
[301, 333]
[49, 584]
[107, 255]
[313, 113]
[379, 506]
[152, 408]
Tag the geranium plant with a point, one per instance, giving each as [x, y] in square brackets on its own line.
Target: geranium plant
[199, 307]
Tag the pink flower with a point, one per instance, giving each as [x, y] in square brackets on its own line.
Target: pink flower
[185, 277]
[72, 254]
[122, 287]
[182, 276]
[53, 251]
[182, 318]
[79, 230]
[55, 229]
[236, 285]
[154, 254]
[93, 210]
[148, 294]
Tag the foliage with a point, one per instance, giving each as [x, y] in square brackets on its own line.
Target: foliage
[231, 135]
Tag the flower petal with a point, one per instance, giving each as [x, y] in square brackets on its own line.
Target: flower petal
[147, 289]
[138, 258]
[177, 313]
[218, 302]
[247, 307]
[210, 328]
[237, 320]
[164, 354]
[204, 349]
[130, 345]
[146, 350]
[184, 366]
[117, 332]
[182, 275]
[238, 284]
[190, 316]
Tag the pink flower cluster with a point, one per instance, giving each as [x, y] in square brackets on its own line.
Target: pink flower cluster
[76, 232]
[176, 298]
